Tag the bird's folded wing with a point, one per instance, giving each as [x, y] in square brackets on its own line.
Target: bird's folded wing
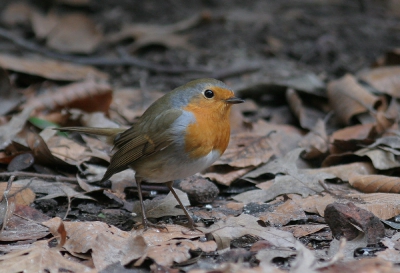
[146, 138]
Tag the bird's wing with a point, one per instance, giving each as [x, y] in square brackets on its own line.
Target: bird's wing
[144, 139]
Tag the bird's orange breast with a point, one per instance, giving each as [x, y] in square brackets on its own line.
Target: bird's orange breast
[211, 131]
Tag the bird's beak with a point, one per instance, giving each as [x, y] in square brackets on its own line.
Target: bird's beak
[234, 100]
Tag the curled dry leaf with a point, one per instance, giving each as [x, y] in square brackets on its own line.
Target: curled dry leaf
[385, 79]
[375, 183]
[315, 142]
[57, 228]
[348, 98]
[50, 69]
[283, 214]
[89, 96]
[307, 116]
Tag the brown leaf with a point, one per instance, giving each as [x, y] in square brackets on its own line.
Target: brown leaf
[348, 98]
[32, 260]
[75, 33]
[50, 69]
[304, 230]
[23, 225]
[57, 228]
[283, 214]
[88, 95]
[18, 194]
[345, 171]
[385, 79]
[375, 183]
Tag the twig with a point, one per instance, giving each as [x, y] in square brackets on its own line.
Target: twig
[101, 61]
[39, 175]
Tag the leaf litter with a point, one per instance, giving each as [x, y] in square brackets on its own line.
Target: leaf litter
[304, 148]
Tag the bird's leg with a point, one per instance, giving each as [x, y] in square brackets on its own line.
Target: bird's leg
[145, 222]
[190, 220]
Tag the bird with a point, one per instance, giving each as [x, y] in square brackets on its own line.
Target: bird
[180, 134]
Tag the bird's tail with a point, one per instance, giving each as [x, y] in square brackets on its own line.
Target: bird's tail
[108, 133]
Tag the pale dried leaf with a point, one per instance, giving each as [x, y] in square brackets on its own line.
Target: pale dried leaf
[75, 33]
[233, 227]
[382, 160]
[375, 183]
[245, 150]
[42, 24]
[162, 207]
[385, 79]
[16, 13]
[11, 129]
[50, 69]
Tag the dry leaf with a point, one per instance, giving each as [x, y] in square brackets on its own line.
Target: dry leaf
[89, 96]
[165, 35]
[39, 258]
[233, 227]
[385, 79]
[283, 214]
[304, 230]
[375, 183]
[18, 194]
[16, 13]
[382, 160]
[42, 24]
[306, 115]
[288, 179]
[67, 150]
[246, 150]
[162, 207]
[12, 128]
[50, 69]
[383, 205]
[75, 33]
[348, 98]
[23, 225]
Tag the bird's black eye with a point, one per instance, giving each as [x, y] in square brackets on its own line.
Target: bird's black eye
[208, 93]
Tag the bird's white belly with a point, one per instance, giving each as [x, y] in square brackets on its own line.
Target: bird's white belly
[168, 168]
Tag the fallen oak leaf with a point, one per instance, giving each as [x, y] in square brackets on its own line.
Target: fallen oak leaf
[375, 183]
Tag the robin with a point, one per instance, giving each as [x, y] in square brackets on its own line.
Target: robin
[180, 134]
